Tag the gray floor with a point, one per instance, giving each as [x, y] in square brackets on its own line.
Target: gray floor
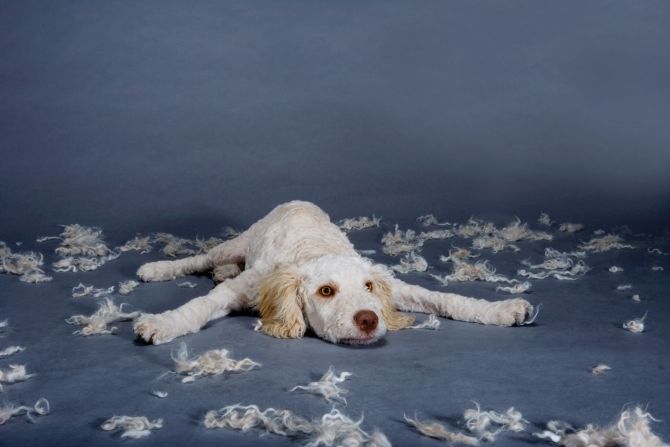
[188, 117]
[542, 370]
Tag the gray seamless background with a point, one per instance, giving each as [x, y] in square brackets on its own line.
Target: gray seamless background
[190, 116]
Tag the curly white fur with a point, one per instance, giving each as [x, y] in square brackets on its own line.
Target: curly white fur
[128, 287]
[8, 411]
[134, 427]
[13, 374]
[301, 271]
[327, 386]
[411, 262]
[96, 324]
[635, 325]
[605, 243]
[82, 290]
[11, 350]
[438, 431]
[28, 265]
[139, 243]
[210, 363]
[333, 429]
[358, 223]
[631, 430]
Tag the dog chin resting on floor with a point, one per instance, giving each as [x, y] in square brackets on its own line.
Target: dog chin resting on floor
[300, 271]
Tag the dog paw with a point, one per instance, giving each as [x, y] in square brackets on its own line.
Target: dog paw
[155, 329]
[516, 311]
[156, 271]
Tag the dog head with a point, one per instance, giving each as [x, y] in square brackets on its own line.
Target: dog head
[344, 299]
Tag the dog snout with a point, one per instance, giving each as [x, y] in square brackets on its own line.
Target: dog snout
[366, 320]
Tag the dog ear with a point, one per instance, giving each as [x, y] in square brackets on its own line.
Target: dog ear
[281, 304]
[394, 319]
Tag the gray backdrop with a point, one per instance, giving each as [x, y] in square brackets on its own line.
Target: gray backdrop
[189, 116]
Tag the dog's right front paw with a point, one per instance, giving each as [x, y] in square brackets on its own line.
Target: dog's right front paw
[156, 271]
[154, 329]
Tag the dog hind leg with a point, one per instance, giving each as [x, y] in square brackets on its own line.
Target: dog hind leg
[412, 298]
[228, 252]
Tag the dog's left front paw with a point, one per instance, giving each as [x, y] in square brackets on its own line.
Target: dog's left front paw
[516, 311]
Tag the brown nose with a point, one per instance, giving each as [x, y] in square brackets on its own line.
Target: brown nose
[366, 320]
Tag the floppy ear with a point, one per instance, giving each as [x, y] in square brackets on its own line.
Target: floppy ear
[394, 320]
[281, 305]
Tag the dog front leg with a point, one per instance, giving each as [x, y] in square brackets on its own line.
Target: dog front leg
[189, 318]
[412, 298]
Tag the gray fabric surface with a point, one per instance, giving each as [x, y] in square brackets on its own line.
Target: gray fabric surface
[187, 117]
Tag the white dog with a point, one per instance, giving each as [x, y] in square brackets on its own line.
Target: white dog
[300, 271]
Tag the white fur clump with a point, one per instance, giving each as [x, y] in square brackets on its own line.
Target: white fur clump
[631, 430]
[474, 227]
[82, 249]
[604, 243]
[333, 429]
[82, 290]
[545, 220]
[438, 431]
[13, 374]
[82, 263]
[431, 322]
[139, 243]
[635, 325]
[11, 350]
[205, 245]
[657, 268]
[358, 223]
[465, 271]
[411, 262]
[160, 394]
[615, 269]
[435, 235]
[569, 227]
[8, 411]
[492, 242]
[515, 289]
[26, 265]
[210, 363]
[230, 232]
[481, 422]
[517, 231]
[623, 287]
[258, 325]
[600, 369]
[127, 287]
[96, 324]
[134, 427]
[173, 245]
[429, 219]
[78, 240]
[399, 242]
[559, 265]
[187, 284]
[327, 386]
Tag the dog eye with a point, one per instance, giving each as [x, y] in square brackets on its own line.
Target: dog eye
[326, 291]
[368, 286]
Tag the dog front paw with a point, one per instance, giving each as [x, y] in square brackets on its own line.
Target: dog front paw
[156, 271]
[156, 329]
[516, 311]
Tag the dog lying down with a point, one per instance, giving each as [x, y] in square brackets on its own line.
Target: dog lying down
[300, 271]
